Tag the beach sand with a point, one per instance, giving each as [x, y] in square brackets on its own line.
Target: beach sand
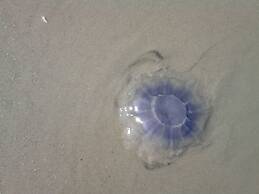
[59, 66]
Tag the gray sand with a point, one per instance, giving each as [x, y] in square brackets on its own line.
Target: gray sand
[58, 62]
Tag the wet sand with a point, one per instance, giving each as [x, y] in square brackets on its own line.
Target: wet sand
[59, 62]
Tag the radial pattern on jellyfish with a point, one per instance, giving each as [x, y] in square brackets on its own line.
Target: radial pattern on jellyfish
[163, 113]
[166, 111]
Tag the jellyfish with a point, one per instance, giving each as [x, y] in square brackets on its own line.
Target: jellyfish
[162, 112]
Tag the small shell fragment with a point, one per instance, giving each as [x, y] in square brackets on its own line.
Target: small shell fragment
[44, 19]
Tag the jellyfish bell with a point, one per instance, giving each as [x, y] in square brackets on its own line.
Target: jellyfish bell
[162, 113]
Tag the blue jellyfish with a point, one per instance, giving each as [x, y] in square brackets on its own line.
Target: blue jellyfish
[166, 111]
[162, 114]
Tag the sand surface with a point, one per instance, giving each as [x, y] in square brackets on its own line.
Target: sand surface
[58, 62]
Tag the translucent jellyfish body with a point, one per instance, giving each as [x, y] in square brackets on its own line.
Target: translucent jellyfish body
[162, 112]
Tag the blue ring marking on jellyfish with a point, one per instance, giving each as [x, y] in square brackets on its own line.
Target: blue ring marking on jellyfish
[165, 110]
